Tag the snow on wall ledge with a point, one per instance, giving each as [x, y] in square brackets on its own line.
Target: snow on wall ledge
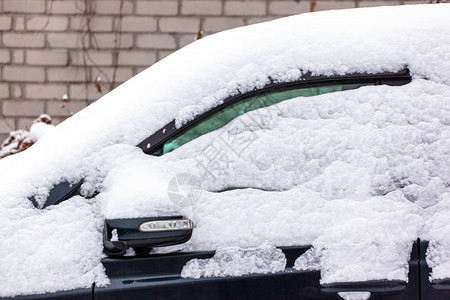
[193, 80]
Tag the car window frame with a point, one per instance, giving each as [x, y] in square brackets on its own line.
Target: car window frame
[152, 143]
[64, 190]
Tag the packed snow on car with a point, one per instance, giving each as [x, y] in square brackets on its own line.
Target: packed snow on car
[359, 174]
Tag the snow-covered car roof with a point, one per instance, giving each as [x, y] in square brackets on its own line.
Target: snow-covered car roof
[375, 158]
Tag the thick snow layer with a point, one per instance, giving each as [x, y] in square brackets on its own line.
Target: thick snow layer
[234, 261]
[438, 233]
[368, 164]
[38, 130]
[370, 242]
[51, 250]
[381, 150]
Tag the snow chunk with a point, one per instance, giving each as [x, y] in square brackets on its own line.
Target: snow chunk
[235, 261]
[115, 235]
[438, 233]
[354, 295]
[51, 250]
[372, 245]
[38, 130]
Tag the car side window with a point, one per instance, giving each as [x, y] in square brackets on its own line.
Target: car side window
[262, 99]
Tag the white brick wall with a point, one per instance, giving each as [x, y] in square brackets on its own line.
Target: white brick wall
[179, 24]
[45, 23]
[58, 110]
[16, 73]
[23, 40]
[5, 23]
[157, 8]
[22, 108]
[4, 91]
[49, 48]
[221, 23]
[47, 57]
[284, 8]
[90, 58]
[6, 125]
[97, 24]
[5, 56]
[45, 91]
[24, 6]
[206, 8]
[137, 58]
[326, 5]
[245, 8]
[138, 24]
[111, 41]
[67, 7]
[156, 41]
[64, 40]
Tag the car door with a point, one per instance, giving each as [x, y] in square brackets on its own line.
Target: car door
[157, 276]
[141, 276]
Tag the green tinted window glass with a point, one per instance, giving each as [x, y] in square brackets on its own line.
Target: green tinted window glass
[226, 115]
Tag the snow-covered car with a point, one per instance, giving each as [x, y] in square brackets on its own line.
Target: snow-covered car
[306, 157]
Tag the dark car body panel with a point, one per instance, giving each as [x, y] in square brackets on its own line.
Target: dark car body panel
[166, 282]
[78, 294]
[158, 276]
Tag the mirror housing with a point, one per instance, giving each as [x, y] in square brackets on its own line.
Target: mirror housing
[145, 233]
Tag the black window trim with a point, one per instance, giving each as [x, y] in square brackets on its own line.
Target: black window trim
[158, 138]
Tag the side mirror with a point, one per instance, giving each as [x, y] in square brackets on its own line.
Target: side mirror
[144, 233]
